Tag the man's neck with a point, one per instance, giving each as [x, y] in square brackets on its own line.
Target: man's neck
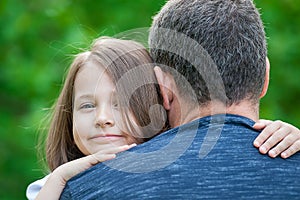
[244, 108]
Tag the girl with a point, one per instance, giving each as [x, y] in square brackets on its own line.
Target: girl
[103, 109]
[96, 111]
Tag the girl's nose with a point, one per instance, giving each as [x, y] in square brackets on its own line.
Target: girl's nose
[104, 119]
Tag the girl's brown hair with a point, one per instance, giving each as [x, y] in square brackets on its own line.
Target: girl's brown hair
[131, 69]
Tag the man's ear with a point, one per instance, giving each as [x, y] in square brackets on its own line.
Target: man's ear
[164, 85]
[267, 79]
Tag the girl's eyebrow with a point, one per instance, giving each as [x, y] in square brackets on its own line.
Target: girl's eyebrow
[86, 96]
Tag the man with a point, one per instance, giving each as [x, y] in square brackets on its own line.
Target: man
[213, 71]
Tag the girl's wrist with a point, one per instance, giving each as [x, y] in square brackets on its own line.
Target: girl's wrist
[58, 177]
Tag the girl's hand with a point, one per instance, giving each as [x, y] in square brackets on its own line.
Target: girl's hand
[59, 177]
[72, 168]
[277, 138]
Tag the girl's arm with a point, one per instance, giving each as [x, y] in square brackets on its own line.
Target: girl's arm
[59, 177]
[276, 138]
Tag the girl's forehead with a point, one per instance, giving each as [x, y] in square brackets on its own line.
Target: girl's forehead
[92, 66]
[94, 82]
[91, 75]
[91, 70]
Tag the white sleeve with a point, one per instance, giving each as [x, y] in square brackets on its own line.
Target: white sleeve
[34, 188]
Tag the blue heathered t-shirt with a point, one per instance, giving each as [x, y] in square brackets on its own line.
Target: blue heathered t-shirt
[209, 158]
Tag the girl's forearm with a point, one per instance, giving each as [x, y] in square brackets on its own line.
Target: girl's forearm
[52, 188]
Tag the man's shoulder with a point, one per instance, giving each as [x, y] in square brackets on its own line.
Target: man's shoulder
[232, 166]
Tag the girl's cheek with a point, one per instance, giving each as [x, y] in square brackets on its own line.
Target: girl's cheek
[83, 121]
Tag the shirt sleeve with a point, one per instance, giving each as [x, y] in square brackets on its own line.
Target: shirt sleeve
[34, 188]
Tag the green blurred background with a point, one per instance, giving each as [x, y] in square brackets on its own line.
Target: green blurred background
[37, 40]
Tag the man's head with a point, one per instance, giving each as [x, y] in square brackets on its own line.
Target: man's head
[232, 34]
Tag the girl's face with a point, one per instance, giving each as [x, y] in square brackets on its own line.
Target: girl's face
[96, 118]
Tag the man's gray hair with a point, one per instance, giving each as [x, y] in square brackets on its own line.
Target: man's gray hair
[230, 31]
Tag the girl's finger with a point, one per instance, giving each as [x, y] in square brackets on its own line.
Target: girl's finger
[274, 139]
[295, 147]
[262, 123]
[97, 158]
[286, 143]
[115, 150]
[265, 134]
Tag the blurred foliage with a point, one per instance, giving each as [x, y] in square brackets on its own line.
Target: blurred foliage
[38, 37]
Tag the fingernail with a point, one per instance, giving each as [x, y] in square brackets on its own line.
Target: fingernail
[284, 155]
[133, 145]
[272, 153]
[263, 149]
[256, 144]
